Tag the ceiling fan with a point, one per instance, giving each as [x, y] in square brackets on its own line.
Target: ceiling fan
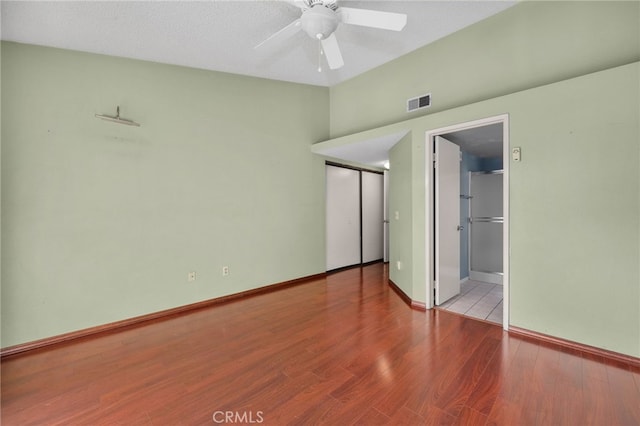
[320, 18]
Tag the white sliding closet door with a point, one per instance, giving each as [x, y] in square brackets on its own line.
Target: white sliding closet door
[372, 216]
[343, 217]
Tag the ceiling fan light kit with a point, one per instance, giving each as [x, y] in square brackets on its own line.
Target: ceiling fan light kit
[319, 22]
[320, 19]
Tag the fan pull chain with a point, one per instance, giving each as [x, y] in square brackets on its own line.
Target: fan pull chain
[320, 53]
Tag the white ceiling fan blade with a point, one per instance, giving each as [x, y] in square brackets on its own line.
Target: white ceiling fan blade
[373, 18]
[283, 34]
[332, 52]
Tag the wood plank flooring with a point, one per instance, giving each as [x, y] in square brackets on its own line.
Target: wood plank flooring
[338, 351]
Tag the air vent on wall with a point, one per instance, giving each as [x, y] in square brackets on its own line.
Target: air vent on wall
[420, 102]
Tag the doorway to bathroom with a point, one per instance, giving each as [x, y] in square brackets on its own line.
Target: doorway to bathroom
[468, 213]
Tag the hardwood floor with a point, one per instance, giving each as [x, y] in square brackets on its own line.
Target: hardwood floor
[341, 350]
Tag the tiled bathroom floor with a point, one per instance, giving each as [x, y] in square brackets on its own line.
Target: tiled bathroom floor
[478, 300]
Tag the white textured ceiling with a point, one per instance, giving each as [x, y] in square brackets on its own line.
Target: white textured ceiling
[483, 142]
[221, 35]
[372, 152]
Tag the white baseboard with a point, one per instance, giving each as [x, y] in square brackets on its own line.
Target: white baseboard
[486, 277]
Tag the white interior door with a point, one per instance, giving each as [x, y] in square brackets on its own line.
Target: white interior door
[372, 216]
[343, 217]
[447, 215]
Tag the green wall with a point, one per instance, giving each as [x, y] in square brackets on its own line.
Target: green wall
[400, 229]
[575, 210]
[574, 206]
[526, 46]
[102, 222]
[575, 197]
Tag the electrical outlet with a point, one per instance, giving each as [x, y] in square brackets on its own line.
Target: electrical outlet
[225, 271]
[191, 276]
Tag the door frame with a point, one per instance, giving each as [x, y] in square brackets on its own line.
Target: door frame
[430, 238]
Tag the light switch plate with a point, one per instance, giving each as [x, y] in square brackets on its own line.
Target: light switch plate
[515, 154]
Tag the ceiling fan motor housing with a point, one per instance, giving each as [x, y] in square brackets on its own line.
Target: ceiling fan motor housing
[319, 22]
